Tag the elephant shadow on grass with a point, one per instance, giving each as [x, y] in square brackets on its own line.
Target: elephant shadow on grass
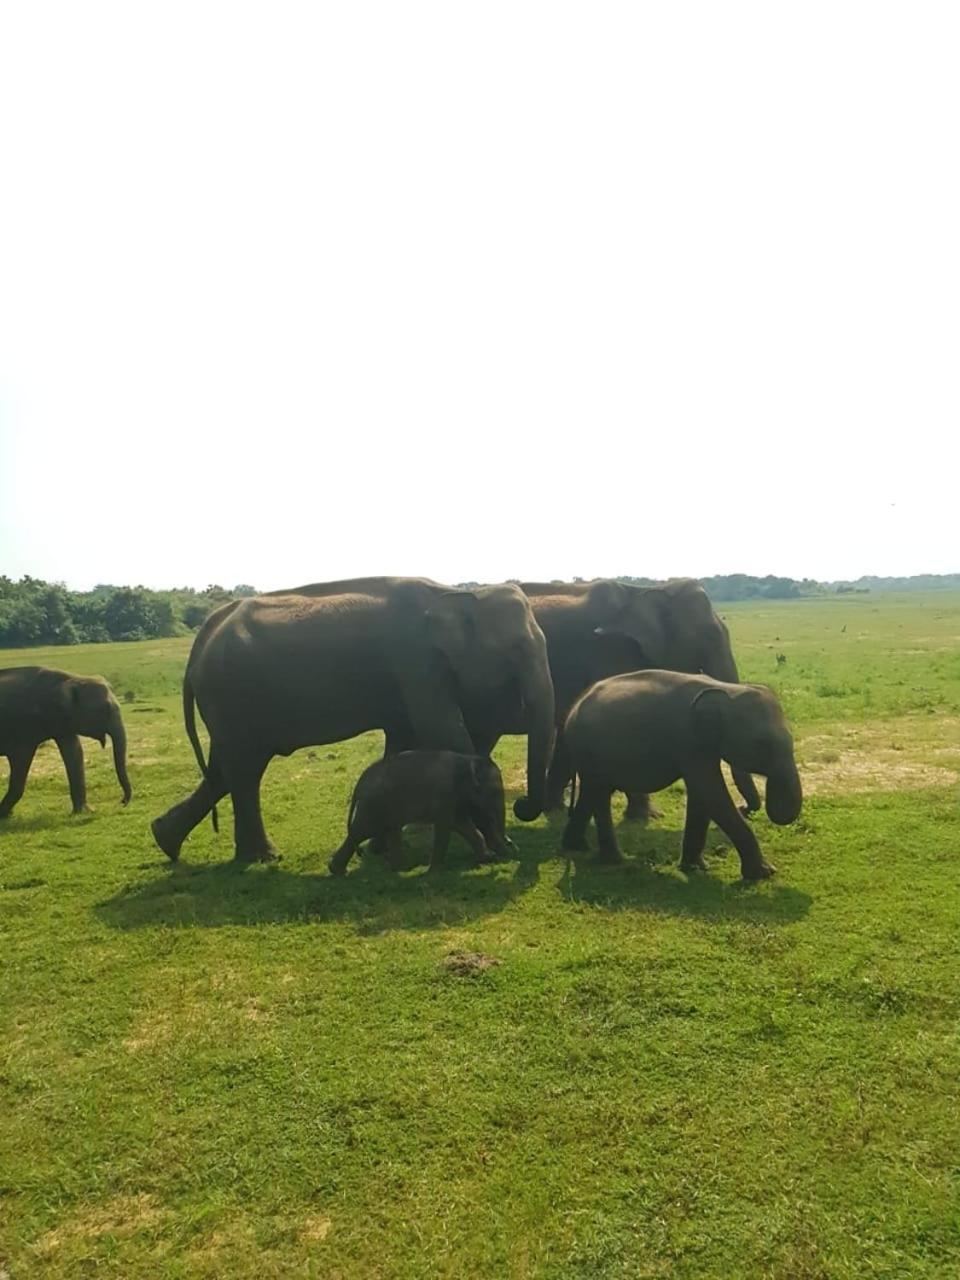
[649, 880]
[371, 897]
[19, 825]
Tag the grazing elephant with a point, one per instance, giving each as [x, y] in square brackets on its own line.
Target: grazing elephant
[644, 730]
[321, 663]
[454, 792]
[604, 628]
[38, 703]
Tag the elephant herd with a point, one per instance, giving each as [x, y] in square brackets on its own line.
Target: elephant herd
[618, 686]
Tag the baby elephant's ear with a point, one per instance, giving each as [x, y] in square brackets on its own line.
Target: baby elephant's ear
[479, 766]
[710, 709]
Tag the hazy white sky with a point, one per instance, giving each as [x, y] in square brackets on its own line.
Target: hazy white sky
[295, 292]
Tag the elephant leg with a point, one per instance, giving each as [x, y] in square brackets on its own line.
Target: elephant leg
[465, 827]
[575, 832]
[341, 859]
[72, 755]
[172, 828]
[251, 842]
[705, 783]
[391, 845]
[609, 849]
[441, 839]
[394, 741]
[748, 789]
[20, 762]
[694, 834]
[484, 743]
[640, 808]
[559, 774]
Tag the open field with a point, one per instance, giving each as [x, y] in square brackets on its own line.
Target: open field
[206, 1072]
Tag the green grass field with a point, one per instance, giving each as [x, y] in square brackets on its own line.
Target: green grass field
[207, 1072]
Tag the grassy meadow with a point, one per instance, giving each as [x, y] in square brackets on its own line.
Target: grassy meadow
[211, 1072]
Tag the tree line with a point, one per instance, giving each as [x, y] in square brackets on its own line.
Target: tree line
[34, 612]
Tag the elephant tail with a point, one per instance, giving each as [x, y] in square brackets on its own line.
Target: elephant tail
[573, 792]
[352, 811]
[190, 723]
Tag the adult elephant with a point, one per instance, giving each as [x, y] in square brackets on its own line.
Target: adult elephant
[321, 663]
[40, 703]
[604, 628]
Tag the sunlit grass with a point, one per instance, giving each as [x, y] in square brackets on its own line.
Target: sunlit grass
[207, 1072]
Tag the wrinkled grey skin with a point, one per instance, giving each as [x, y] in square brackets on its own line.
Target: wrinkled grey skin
[321, 663]
[454, 792]
[645, 730]
[603, 628]
[39, 703]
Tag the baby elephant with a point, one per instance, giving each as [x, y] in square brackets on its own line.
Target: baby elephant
[644, 730]
[455, 792]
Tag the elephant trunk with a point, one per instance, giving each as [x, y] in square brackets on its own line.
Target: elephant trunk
[118, 739]
[784, 795]
[536, 688]
[718, 661]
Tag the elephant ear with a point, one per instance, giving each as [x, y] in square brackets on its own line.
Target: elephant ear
[87, 696]
[606, 601]
[468, 779]
[478, 774]
[86, 707]
[642, 617]
[451, 623]
[710, 709]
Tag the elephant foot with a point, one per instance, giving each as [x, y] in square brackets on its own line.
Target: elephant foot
[5, 813]
[694, 866]
[502, 851]
[337, 866]
[78, 810]
[484, 859]
[762, 870]
[641, 811]
[574, 843]
[165, 840]
[267, 854]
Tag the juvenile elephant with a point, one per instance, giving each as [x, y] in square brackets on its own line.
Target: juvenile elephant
[39, 703]
[645, 730]
[603, 628]
[321, 663]
[454, 792]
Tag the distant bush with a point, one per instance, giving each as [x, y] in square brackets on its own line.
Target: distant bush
[33, 612]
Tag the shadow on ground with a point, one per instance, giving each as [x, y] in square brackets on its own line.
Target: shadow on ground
[370, 896]
[16, 825]
[649, 880]
[374, 899]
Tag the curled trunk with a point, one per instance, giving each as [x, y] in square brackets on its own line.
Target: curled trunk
[784, 796]
[537, 691]
[118, 740]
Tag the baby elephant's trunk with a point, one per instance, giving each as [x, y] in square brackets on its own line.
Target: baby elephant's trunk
[492, 807]
[340, 860]
[784, 796]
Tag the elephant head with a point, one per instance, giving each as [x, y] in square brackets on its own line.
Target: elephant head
[673, 627]
[492, 643]
[487, 805]
[745, 726]
[92, 711]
